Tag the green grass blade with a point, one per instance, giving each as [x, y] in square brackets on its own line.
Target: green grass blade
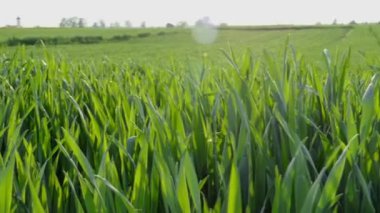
[182, 192]
[192, 181]
[125, 200]
[83, 161]
[6, 185]
[328, 194]
[313, 194]
[234, 194]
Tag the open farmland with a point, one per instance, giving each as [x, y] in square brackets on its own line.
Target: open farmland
[180, 45]
[260, 120]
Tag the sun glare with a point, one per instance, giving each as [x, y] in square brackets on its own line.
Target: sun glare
[204, 32]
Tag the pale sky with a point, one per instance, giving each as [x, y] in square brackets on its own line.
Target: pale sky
[159, 12]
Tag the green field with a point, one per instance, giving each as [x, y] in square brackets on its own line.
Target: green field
[180, 45]
[262, 120]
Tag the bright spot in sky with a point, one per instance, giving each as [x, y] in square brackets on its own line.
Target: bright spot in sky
[204, 32]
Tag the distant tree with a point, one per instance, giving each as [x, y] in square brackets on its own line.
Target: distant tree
[182, 24]
[95, 25]
[335, 22]
[82, 22]
[143, 24]
[66, 22]
[102, 24]
[353, 22]
[205, 21]
[63, 22]
[72, 22]
[223, 25]
[170, 25]
[128, 24]
[115, 25]
[318, 23]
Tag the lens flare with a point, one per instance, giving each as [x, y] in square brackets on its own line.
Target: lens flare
[204, 32]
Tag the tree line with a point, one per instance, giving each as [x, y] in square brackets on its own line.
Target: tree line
[77, 22]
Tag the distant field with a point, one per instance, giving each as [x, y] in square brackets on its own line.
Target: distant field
[179, 43]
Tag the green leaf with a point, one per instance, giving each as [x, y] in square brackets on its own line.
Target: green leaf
[125, 200]
[328, 195]
[83, 161]
[6, 185]
[182, 192]
[234, 195]
[313, 194]
[37, 206]
[192, 182]
[366, 191]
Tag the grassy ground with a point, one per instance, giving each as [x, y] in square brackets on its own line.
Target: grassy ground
[252, 132]
[182, 46]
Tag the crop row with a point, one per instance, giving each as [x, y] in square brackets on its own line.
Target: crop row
[74, 40]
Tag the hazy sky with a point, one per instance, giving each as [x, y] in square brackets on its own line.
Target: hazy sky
[160, 12]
